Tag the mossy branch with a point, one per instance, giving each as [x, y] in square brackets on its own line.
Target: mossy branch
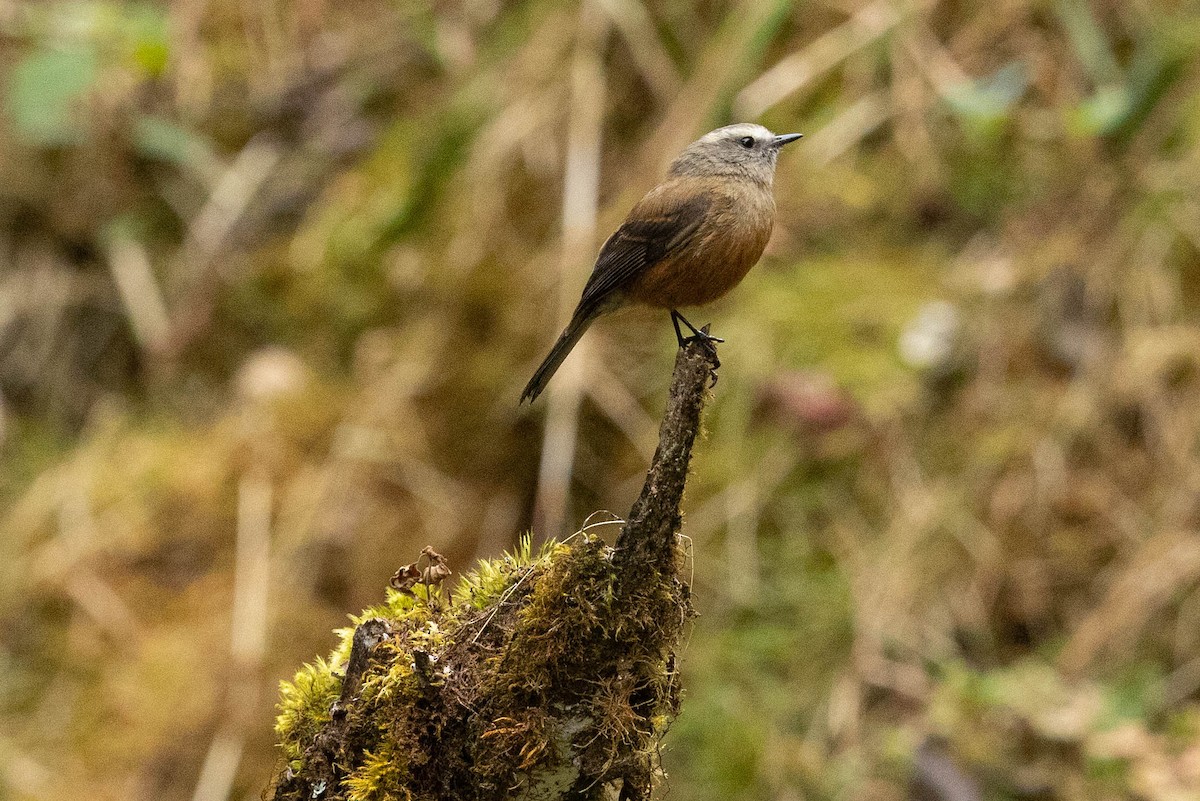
[547, 677]
[647, 541]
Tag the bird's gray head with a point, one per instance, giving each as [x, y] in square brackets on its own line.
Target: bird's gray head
[744, 150]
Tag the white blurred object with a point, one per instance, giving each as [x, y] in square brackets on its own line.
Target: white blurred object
[996, 274]
[271, 373]
[928, 339]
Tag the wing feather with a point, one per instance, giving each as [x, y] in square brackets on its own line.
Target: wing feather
[654, 230]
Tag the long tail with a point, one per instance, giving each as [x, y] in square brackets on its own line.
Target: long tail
[570, 335]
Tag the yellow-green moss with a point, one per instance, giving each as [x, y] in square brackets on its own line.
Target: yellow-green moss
[530, 675]
[304, 708]
[380, 777]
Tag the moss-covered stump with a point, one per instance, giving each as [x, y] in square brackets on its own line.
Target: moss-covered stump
[547, 676]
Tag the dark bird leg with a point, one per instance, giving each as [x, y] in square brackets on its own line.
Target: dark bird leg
[700, 335]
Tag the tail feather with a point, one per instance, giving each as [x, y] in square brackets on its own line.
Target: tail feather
[566, 341]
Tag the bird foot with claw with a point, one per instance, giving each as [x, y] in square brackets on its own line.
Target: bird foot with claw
[709, 343]
[701, 335]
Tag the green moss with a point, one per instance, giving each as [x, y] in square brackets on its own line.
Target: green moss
[304, 708]
[381, 777]
[533, 674]
[493, 577]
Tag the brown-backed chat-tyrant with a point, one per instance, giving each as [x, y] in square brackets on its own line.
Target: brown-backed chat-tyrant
[690, 240]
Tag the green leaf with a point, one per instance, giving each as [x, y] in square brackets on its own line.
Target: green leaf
[1102, 112]
[1118, 110]
[162, 139]
[990, 99]
[44, 92]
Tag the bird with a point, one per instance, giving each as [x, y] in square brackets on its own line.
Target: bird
[690, 240]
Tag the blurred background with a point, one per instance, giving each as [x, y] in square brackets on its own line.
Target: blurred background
[273, 274]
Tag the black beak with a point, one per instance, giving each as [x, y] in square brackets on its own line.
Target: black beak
[780, 141]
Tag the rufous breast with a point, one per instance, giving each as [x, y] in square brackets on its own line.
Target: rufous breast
[717, 257]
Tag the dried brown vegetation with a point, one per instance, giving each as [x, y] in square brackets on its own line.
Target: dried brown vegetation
[272, 276]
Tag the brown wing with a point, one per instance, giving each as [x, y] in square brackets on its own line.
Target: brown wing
[661, 224]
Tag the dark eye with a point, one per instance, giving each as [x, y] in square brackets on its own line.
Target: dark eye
[746, 142]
